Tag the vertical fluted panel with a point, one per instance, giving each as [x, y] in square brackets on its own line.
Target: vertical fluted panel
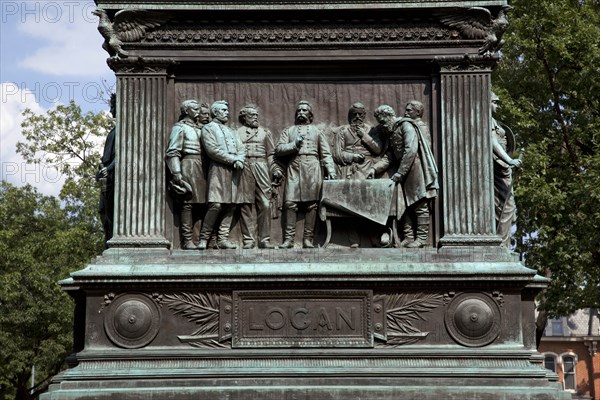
[467, 201]
[140, 171]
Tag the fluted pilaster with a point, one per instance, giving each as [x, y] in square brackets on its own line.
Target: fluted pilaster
[467, 169]
[140, 169]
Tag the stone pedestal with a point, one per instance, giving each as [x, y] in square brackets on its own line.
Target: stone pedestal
[307, 324]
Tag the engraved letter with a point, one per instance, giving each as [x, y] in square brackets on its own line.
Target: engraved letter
[276, 322]
[254, 326]
[323, 319]
[348, 319]
[297, 322]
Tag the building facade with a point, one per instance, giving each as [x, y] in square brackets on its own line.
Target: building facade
[570, 348]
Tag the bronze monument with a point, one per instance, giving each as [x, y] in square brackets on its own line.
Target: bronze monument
[434, 308]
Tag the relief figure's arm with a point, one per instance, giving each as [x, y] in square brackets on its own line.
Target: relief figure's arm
[174, 149]
[410, 148]
[285, 147]
[214, 150]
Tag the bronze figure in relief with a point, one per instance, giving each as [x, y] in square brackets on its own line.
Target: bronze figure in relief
[227, 155]
[106, 177]
[187, 164]
[255, 184]
[306, 149]
[355, 148]
[504, 200]
[416, 171]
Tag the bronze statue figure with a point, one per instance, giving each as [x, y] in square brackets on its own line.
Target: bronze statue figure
[479, 23]
[355, 148]
[504, 200]
[255, 184]
[416, 172]
[106, 177]
[187, 164]
[127, 26]
[307, 149]
[227, 155]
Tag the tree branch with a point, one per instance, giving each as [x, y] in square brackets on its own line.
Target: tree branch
[551, 74]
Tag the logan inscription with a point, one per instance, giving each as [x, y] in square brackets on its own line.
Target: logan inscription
[302, 319]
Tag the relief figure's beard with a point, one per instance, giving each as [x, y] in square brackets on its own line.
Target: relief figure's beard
[301, 120]
[357, 122]
[389, 126]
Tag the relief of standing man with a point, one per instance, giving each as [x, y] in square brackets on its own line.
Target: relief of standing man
[306, 148]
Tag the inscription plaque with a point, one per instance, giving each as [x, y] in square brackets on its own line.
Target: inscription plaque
[315, 318]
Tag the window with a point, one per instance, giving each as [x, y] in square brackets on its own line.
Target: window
[550, 362]
[557, 328]
[568, 363]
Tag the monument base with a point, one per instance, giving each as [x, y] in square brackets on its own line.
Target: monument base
[453, 323]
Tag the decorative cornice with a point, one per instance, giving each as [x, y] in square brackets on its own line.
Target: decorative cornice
[466, 63]
[291, 5]
[320, 33]
[139, 65]
[447, 27]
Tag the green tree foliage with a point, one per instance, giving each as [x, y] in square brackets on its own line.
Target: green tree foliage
[549, 81]
[69, 140]
[42, 239]
[39, 245]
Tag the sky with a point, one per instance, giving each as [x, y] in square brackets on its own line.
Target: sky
[50, 53]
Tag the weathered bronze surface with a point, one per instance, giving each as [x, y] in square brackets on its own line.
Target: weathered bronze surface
[227, 154]
[307, 152]
[503, 145]
[261, 173]
[330, 318]
[187, 163]
[106, 178]
[407, 294]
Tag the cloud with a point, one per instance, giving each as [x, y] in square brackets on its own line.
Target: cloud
[12, 166]
[69, 42]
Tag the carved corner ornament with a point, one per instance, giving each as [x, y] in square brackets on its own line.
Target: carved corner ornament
[478, 23]
[127, 26]
[466, 63]
[141, 66]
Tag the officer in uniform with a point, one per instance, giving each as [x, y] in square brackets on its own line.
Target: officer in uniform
[306, 148]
